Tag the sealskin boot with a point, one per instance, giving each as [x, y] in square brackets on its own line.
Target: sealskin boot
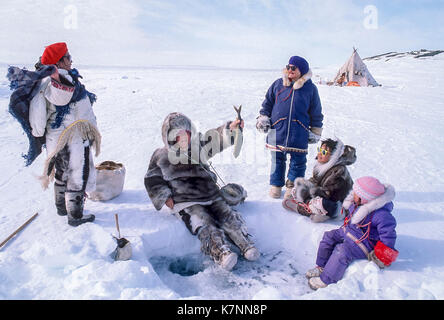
[275, 192]
[228, 260]
[316, 283]
[315, 272]
[74, 205]
[289, 185]
[59, 194]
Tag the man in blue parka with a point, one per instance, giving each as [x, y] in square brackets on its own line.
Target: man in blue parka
[292, 110]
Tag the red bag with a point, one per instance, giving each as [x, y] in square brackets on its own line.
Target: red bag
[386, 254]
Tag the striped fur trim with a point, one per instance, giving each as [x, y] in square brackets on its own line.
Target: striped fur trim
[80, 127]
[285, 149]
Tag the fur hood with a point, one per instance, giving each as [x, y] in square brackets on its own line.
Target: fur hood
[298, 83]
[177, 121]
[364, 210]
[343, 155]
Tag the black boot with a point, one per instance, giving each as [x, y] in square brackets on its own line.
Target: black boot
[74, 205]
[59, 193]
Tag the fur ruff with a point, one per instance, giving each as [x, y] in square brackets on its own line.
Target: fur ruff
[373, 205]
[298, 83]
[320, 169]
[80, 127]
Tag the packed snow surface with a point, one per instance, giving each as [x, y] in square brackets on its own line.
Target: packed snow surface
[396, 128]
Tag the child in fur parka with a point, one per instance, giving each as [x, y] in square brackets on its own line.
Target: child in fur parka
[321, 196]
[368, 233]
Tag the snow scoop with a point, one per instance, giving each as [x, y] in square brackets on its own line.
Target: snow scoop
[123, 250]
[238, 135]
[18, 230]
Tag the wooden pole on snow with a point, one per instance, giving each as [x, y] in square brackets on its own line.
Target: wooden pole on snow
[18, 230]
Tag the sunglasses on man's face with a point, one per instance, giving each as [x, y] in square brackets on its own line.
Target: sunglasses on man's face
[293, 68]
[323, 151]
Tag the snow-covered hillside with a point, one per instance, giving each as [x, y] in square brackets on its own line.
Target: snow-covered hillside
[397, 131]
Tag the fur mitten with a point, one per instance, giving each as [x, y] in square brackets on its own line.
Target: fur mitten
[383, 255]
[263, 123]
[314, 135]
[301, 190]
[313, 138]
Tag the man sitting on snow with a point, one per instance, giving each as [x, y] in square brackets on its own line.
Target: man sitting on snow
[179, 177]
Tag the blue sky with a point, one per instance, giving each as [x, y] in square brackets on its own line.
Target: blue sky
[265, 33]
[259, 34]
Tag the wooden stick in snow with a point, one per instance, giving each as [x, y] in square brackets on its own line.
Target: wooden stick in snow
[18, 230]
[117, 224]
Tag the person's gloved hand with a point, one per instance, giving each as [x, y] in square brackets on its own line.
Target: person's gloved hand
[263, 123]
[314, 135]
[313, 138]
[374, 258]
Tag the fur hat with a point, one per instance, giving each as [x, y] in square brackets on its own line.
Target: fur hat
[53, 53]
[368, 189]
[301, 63]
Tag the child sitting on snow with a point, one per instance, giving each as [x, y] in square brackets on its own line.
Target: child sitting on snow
[321, 196]
[368, 233]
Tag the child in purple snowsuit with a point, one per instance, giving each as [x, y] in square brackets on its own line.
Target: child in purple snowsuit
[369, 223]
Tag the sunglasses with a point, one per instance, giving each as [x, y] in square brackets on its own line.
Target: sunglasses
[68, 57]
[323, 151]
[293, 68]
[182, 133]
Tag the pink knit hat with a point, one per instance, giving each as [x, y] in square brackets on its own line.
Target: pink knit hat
[368, 189]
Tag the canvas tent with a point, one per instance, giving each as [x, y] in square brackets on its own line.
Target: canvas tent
[355, 72]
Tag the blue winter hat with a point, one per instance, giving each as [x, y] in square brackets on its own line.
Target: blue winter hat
[301, 63]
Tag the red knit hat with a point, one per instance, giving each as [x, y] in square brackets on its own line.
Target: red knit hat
[54, 52]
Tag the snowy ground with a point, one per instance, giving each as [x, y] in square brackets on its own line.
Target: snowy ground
[395, 129]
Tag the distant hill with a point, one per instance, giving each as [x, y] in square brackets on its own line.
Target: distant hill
[416, 54]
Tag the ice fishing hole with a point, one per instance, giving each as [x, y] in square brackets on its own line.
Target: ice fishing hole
[185, 266]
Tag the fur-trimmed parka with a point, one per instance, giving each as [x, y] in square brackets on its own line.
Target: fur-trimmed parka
[183, 176]
[77, 127]
[294, 109]
[330, 180]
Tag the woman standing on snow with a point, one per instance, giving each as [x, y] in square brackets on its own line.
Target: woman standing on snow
[292, 109]
[62, 112]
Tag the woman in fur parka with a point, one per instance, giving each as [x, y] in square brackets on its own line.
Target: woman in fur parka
[321, 196]
[62, 112]
[179, 177]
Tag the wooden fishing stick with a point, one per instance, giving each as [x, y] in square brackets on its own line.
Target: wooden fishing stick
[117, 223]
[18, 230]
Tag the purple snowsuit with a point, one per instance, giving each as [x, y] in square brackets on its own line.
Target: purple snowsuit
[340, 247]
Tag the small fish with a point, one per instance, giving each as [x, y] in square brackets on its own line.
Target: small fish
[238, 135]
